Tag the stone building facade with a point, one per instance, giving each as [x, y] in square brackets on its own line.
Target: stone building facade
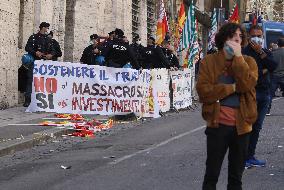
[72, 21]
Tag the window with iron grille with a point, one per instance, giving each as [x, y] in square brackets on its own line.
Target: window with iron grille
[151, 20]
[135, 17]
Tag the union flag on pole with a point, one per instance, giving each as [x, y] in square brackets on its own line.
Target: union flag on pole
[234, 16]
[181, 18]
[162, 25]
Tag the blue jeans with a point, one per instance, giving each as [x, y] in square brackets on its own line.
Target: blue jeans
[263, 100]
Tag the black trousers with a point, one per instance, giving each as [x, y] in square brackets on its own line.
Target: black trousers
[219, 140]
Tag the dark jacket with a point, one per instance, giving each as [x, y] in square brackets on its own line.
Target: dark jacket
[138, 52]
[106, 45]
[154, 58]
[89, 57]
[119, 53]
[278, 56]
[58, 52]
[268, 63]
[39, 42]
[173, 60]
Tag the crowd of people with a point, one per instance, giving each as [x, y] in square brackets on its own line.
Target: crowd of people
[114, 51]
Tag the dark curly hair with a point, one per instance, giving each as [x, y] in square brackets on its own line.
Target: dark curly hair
[227, 31]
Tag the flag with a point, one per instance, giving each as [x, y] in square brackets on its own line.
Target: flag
[213, 31]
[234, 16]
[254, 20]
[179, 25]
[187, 29]
[194, 46]
[181, 18]
[162, 25]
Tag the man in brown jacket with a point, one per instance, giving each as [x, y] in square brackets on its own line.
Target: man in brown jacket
[226, 88]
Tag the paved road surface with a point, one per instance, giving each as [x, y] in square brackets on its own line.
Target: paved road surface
[162, 154]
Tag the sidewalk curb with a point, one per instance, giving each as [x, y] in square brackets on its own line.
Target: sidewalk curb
[31, 140]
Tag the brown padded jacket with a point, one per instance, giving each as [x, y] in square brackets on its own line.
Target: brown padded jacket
[245, 73]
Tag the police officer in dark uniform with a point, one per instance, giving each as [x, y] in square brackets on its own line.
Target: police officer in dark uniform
[137, 49]
[58, 52]
[40, 47]
[169, 53]
[119, 52]
[91, 52]
[154, 56]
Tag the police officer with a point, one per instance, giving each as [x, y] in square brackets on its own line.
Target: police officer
[119, 52]
[137, 49]
[91, 52]
[58, 52]
[154, 56]
[40, 47]
[168, 51]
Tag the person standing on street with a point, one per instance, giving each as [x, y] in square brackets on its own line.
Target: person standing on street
[137, 49]
[266, 65]
[119, 52]
[91, 52]
[277, 77]
[56, 47]
[226, 88]
[168, 51]
[153, 56]
[40, 47]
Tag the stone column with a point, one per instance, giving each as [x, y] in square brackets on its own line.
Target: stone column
[143, 21]
[9, 19]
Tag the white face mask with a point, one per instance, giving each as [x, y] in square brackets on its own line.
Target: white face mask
[47, 32]
[258, 40]
[138, 42]
[229, 51]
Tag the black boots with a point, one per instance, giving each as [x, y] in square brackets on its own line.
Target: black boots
[27, 101]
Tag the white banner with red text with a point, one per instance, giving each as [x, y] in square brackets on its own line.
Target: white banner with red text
[64, 87]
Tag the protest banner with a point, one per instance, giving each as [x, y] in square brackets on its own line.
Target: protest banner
[161, 82]
[182, 89]
[63, 87]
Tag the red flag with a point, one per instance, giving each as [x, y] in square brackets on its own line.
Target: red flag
[254, 20]
[162, 25]
[234, 17]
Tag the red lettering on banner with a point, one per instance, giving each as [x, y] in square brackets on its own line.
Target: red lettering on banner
[39, 84]
[100, 108]
[105, 104]
[51, 85]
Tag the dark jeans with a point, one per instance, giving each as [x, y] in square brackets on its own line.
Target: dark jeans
[276, 81]
[263, 99]
[219, 140]
[29, 83]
